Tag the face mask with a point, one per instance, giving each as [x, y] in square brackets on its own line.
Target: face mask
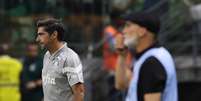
[131, 42]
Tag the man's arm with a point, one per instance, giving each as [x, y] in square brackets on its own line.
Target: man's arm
[33, 84]
[74, 73]
[152, 97]
[78, 92]
[123, 74]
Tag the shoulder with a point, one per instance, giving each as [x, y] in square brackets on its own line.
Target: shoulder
[70, 52]
[162, 53]
[17, 62]
[153, 66]
[47, 54]
[13, 61]
[39, 60]
[163, 57]
[152, 60]
[72, 57]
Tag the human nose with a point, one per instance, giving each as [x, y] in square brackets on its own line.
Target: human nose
[37, 38]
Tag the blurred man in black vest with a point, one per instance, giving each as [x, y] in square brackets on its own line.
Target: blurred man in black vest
[31, 84]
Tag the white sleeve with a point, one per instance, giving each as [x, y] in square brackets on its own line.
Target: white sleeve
[73, 70]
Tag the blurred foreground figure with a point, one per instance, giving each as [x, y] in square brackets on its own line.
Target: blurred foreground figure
[31, 82]
[153, 77]
[9, 75]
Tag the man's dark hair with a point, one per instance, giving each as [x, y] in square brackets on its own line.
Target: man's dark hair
[51, 25]
[31, 43]
[4, 49]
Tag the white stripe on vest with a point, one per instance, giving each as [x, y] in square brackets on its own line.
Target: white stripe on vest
[170, 91]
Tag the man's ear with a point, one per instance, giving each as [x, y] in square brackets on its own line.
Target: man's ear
[143, 32]
[54, 34]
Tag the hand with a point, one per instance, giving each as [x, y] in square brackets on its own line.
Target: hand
[31, 85]
[39, 82]
[78, 92]
[119, 44]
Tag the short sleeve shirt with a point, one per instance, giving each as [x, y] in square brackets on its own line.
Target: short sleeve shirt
[61, 71]
[152, 77]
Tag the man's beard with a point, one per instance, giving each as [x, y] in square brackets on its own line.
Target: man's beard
[42, 46]
[131, 42]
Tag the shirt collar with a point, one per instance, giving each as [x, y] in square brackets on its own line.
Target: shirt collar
[56, 52]
[155, 45]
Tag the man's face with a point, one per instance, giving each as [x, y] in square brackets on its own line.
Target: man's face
[43, 37]
[32, 50]
[131, 33]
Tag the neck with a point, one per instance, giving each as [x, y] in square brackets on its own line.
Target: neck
[55, 46]
[144, 44]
